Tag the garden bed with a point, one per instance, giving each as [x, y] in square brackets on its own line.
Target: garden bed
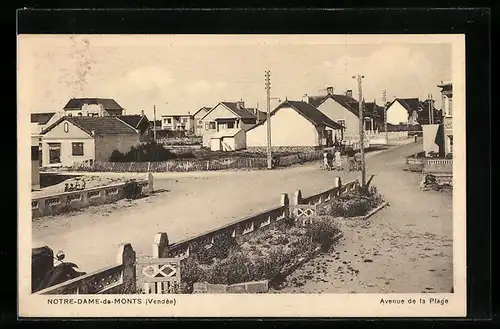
[266, 255]
[358, 204]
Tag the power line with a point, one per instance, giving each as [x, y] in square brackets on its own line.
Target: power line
[268, 101]
[361, 129]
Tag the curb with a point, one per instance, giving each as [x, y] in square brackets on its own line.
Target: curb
[284, 273]
[371, 213]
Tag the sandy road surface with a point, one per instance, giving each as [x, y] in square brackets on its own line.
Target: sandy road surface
[404, 248]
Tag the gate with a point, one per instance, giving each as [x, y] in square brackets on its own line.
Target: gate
[158, 276]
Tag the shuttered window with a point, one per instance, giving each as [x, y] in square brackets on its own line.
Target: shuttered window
[77, 149]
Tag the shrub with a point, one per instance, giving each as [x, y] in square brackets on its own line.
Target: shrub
[132, 190]
[322, 231]
[191, 272]
[151, 151]
[223, 246]
[233, 269]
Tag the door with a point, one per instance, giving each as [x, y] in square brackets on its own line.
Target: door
[54, 153]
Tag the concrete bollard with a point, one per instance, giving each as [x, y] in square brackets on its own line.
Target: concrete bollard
[160, 246]
[297, 198]
[150, 179]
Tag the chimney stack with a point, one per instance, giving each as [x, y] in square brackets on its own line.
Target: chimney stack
[305, 99]
[329, 90]
[142, 112]
[240, 104]
[348, 93]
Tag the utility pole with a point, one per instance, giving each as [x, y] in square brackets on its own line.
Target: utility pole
[154, 123]
[384, 99]
[268, 98]
[361, 129]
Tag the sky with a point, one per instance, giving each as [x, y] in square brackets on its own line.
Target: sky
[180, 74]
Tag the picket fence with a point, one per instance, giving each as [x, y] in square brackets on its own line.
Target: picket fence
[190, 165]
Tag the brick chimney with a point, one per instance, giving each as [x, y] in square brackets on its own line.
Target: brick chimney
[348, 93]
[329, 90]
[305, 99]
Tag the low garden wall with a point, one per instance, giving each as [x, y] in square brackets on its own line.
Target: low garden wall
[438, 166]
[119, 278]
[63, 202]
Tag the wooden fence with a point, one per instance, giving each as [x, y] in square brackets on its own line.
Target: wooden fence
[190, 165]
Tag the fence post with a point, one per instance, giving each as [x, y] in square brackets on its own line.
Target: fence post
[149, 165]
[285, 202]
[150, 179]
[126, 258]
[338, 182]
[160, 245]
[297, 198]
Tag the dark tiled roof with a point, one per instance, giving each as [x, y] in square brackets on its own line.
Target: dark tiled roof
[100, 125]
[410, 104]
[346, 101]
[133, 119]
[242, 112]
[107, 103]
[308, 111]
[41, 118]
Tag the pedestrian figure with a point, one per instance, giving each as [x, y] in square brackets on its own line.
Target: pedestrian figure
[71, 187]
[66, 187]
[83, 184]
[350, 159]
[338, 159]
[357, 159]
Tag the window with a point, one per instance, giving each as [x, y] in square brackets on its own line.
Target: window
[66, 127]
[77, 149]
[341, 122]
[184, 120]
[169, 121]
[230, 125]
[54, 153]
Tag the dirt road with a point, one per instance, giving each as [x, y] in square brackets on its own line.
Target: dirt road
[404, 248]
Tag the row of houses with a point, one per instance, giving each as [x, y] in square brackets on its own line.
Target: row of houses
[90, 129]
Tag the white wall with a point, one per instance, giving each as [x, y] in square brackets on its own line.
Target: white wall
[105, 145]
[288, 128]
[74, 134]
[337, 112]
[429, 136]
[397, 114]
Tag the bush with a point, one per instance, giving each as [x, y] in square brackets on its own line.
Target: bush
[151, 151]
[355, 203]
[191, 272]
[322, 231]
[132, 190]
[233, 269]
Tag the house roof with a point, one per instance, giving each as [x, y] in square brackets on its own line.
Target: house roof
[205, 109]
[41, 118]
[410, 104]
[309, 112]
[107, 103]
[241, 112]
[100, 125]
[346, 101]
[133, 119]
[225, 133]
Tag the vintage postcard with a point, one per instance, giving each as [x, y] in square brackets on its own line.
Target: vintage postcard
[242, 176]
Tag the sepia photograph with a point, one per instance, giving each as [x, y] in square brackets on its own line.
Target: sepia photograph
[250, 172]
